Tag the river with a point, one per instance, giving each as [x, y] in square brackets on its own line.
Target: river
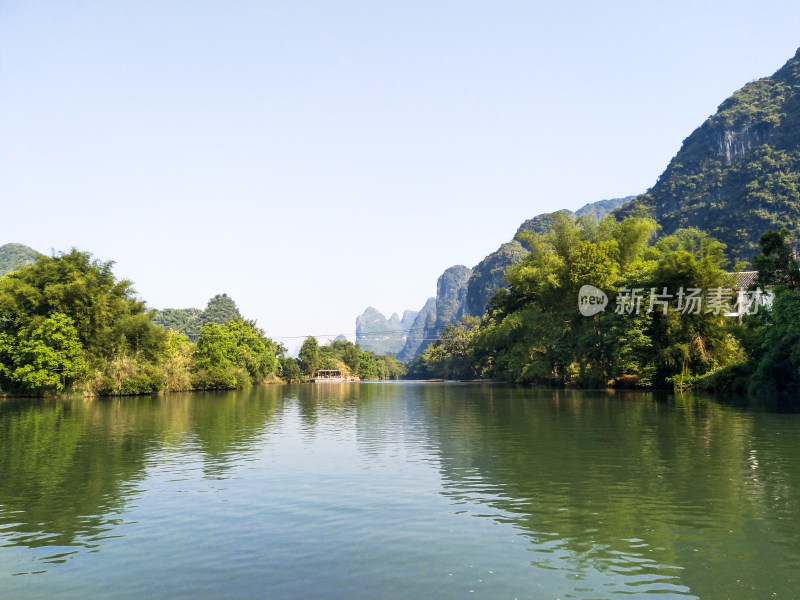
[398, 490]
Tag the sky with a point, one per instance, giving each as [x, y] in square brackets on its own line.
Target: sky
[311, 159]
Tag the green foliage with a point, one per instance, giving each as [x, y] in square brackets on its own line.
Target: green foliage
[102, 309]
[367, 367]
[233, 355]
[778, 366]
[126, 374]
[449, 356]
[290, 369]
[534, 333]
[177, 362]
[67, 322]
[187, 321]
[775, 263]
[43, 358]
[309, 356]
[772, 337]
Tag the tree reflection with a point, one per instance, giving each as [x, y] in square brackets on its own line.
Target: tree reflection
[632, 484]
[68, 468]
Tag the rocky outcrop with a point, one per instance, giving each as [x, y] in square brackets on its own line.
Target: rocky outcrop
[735, 144]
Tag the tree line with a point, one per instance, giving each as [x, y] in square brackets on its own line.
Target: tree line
[667, 320]
[67, 324]
[353, 361]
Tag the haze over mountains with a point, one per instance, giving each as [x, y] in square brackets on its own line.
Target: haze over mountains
[379, 334]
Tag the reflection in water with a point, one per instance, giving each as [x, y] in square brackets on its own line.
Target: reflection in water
[662, 494]
[67, 468]
[397, 490]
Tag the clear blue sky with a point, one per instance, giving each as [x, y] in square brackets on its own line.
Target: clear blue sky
[314, 158]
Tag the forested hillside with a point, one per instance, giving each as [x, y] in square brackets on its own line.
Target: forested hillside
[189, 321]
[738, 174]
[15, 255]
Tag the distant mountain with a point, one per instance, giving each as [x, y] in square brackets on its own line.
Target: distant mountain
[738, 174]
[189, 321]
[451, 296]
[15, 255]
[381, 335]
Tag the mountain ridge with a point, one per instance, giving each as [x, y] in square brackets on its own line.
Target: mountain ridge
[737, 174]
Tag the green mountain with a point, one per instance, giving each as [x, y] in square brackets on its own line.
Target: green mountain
[738, 174]
[189, 321]
[15, 255]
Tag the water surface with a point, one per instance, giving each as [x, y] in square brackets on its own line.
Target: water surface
[397, 491]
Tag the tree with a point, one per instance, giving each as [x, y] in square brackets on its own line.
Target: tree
[44, 357]
[177, 362]
[368, 368]
[776, 264]
[233, 355]
[309, 356]
[290, 369]
[449, 356]
[83, 289]
[778, 365]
